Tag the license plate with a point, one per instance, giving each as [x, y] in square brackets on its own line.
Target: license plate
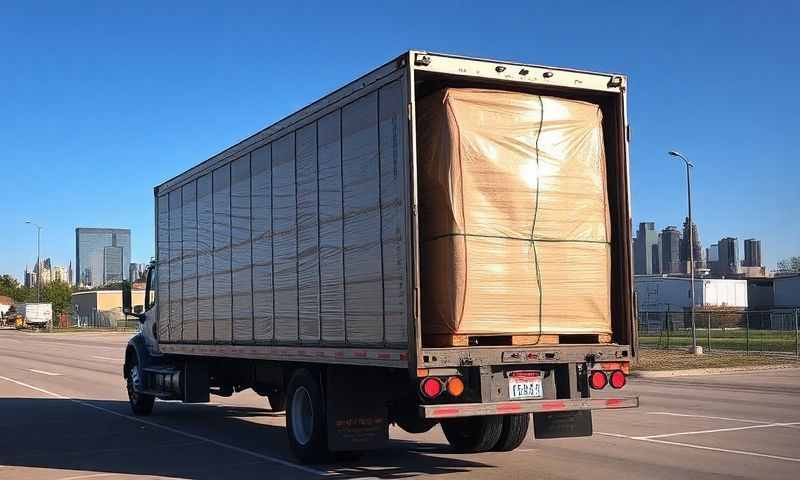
[525, 385]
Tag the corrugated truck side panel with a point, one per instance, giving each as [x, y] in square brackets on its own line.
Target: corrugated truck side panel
[301, 240]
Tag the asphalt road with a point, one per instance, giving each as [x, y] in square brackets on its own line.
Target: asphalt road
[64, 415]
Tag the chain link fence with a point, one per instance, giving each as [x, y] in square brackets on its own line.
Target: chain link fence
[98, 320]
[740, 330]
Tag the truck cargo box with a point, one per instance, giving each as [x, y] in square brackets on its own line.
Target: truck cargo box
[513, 214]
[305, 241]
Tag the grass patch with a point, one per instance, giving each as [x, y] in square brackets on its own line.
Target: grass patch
[728, 339]
[658, 359]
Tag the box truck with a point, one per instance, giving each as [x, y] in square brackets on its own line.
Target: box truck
[36, 314]
[442, 241]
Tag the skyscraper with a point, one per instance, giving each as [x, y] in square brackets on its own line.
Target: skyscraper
[697, 251]
[752, 253]
[728, 255]
[712, 257]
[101, 255]
[670, 250]
[646, 254]
[136, 271]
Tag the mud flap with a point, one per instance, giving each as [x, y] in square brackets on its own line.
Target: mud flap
[356, 409]
[195, 381]
[576, 423]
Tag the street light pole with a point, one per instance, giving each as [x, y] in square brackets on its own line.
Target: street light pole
[38, 260]
[694, 349]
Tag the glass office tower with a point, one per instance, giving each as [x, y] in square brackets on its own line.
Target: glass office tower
[101, 256]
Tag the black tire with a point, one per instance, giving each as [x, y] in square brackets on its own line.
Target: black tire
[277, 401]
[473, 434]
[515, 429]
[141, 404]
[305, 409]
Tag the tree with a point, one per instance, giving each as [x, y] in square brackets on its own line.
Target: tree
[791, 264]
[8, 286]
[59, 294]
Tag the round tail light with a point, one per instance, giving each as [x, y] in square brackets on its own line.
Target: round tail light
[617, 379]
[431, 387]
[598, 380]
[455, 386]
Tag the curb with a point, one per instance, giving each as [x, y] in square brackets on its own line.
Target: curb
[709, 371]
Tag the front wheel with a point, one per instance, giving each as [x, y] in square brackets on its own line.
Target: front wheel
[305, 418]
[141, 404]
[473, 434]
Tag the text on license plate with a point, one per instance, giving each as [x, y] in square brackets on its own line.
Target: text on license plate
[525, 385]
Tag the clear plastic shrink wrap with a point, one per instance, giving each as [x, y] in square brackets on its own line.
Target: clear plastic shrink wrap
[513, 213]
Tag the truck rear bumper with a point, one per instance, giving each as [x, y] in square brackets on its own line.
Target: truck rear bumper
[526, 406]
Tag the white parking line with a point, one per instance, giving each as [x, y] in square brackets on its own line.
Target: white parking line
[49, 374]
[716, 430]
[234, 448]
[743, 420]
[703, 447]
[723, 450]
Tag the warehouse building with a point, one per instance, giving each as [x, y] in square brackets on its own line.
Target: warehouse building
[102, 308]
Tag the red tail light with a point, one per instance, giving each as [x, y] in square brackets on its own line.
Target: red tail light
[598, 380]
[617, 379]
[431, 387]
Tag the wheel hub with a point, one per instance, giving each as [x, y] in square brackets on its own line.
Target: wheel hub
[302, 416]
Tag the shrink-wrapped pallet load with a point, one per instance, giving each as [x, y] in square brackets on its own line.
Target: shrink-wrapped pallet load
[513, 215]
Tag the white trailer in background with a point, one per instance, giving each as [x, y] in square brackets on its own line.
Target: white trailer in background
[657, 292]
[36, 314]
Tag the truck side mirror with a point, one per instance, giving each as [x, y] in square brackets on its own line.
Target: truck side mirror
[126, 298]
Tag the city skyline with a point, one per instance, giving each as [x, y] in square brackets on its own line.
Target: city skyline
[667, 248]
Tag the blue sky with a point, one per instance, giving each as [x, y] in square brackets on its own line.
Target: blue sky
[99, 103]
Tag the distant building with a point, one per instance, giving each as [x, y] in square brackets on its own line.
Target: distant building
[102, 255]
[670, 250]
[696, 250]
[136, 272]
[752, 253]
[753, 272]
[728, 262]
[30, 278]
[5, 305]
[646, 252]
[59, 274]
[787, 290]
[102, 308]
[43, 270]
[760, 293]
[712, 257]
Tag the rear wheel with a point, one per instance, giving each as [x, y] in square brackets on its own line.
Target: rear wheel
[141, 404]
[515, 429]
[305, 418]
[473, 434]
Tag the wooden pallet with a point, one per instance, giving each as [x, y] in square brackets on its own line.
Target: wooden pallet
[449, 340]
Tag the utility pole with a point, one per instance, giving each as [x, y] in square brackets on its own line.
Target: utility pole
[38, 260]
[694, 348]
